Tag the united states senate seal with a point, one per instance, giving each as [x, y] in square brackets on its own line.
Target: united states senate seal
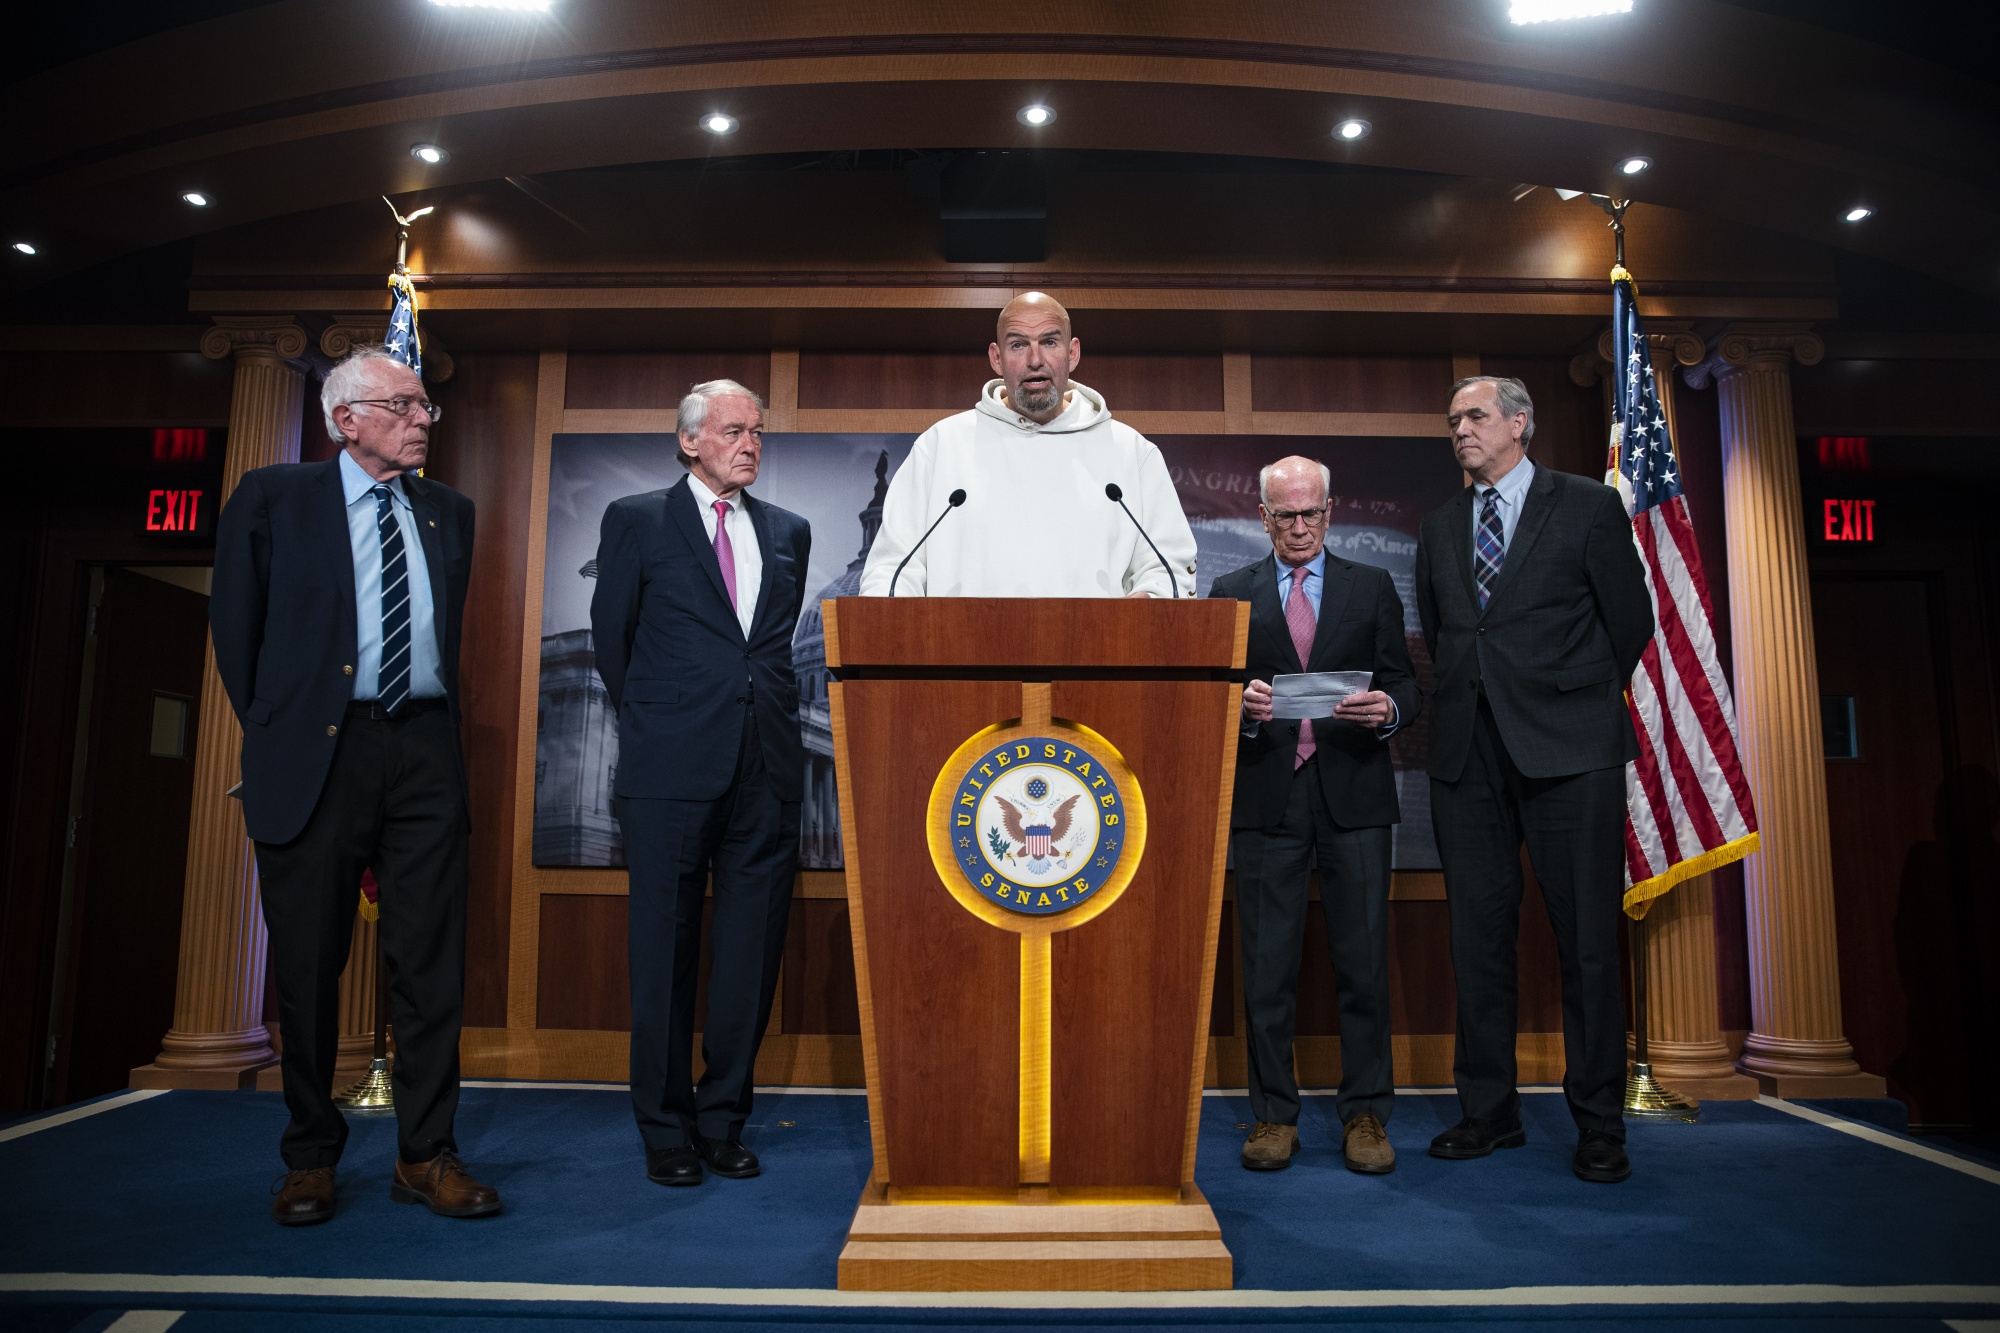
[1038, 823]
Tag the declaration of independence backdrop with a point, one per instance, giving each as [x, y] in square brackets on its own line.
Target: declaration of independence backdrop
[1382, 487]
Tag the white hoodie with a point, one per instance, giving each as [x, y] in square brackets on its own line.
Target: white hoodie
[1036, 522]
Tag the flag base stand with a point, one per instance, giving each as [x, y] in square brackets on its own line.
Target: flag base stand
[1646, 1098]
[373, 1095]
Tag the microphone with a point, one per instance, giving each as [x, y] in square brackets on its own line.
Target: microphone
[953, 501]
[1113, 493]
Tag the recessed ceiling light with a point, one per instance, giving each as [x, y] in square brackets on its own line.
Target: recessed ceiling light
[429, 154]
[1036, 116]
[197, 198]
[1859, 213]
[1542, 11]
[24, 247]
[1632, 166]
[1351, 130]
[717, 123]
[532, 6]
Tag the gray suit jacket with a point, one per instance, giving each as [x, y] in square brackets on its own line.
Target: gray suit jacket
[1558, 640]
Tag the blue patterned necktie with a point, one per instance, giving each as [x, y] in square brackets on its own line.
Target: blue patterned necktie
[394, 689]
[1491, 551]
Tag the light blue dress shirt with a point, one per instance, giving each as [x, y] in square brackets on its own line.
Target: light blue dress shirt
[1513, 489]
[1315, 585]
[364, 538]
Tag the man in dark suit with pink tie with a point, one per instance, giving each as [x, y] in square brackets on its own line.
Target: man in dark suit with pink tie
[698, 590]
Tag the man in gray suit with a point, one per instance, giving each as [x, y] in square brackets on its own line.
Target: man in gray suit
[1535, 610]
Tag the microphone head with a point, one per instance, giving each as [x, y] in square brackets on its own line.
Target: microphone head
[956, 498]
[1112, 492]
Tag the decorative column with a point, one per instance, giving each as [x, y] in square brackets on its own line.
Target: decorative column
[218, 1040]
[1684, 1024]
[1796, 1047]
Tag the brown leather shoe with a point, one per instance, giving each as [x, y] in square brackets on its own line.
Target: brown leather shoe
[1270, 1147]
[1366, 1147]
[304, 1197]
[443, 1186]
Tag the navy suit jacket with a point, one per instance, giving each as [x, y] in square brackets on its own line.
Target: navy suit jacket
[1558, 641]
[674, 659]
[1360, 629]
[281, 611]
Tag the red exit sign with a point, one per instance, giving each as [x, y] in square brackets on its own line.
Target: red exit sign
[178, 511]
[1848, 520]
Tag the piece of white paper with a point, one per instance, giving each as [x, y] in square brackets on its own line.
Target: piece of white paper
[1315, 694]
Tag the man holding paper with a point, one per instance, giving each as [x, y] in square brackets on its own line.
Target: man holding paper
[1314, 784]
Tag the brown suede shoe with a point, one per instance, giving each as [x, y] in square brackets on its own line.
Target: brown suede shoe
[304, 1197]
[1270, 1147]
[1366, 1147]
[443, 1186]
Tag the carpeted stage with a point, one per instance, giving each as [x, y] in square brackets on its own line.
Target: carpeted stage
[1764, 1214]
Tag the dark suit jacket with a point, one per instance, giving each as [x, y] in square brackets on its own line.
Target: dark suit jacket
[1360, 629]
[1558, 640]
[282, 614]
[674, 658]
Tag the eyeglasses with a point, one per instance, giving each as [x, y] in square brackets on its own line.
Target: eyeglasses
[1285, 518]
[401, 406]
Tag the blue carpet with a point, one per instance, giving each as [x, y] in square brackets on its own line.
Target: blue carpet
[1750, 1196]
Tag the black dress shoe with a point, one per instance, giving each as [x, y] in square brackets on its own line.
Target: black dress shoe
[673, 1166]
[305, 1198]
[1600, 1158]
[728, 1158]
[1476, 1138]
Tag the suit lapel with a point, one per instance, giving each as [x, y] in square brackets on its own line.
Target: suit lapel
[760, 523]
[1535, 511]
[424, 508]
[1267, 611]
[685, 517]
[335, 537]
[1459, 546]
[1336, 586]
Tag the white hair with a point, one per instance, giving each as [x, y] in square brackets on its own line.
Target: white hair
[694, 408]
[1264, 482]
[1512, 396]
[343, 383]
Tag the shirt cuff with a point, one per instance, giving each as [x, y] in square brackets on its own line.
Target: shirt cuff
[1388, 729]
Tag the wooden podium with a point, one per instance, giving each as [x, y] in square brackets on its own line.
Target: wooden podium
[1034, 801]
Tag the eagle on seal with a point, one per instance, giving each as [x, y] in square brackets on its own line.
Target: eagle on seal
[1037, 836]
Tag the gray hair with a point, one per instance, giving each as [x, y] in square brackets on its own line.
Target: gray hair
[1264, 482]
[343, 383]
[1512, 396]
[694, 408]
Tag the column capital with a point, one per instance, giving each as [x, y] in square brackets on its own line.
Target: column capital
[1673, 338]
[343, 336]
[254, 336]
[1756, 346]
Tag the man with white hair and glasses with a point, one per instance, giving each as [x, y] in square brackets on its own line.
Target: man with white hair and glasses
[338, 595]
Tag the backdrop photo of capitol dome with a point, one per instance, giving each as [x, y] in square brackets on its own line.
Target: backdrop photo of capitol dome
[1381, 490]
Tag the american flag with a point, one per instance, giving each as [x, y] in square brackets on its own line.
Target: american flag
[1687, 802]
[402, 341]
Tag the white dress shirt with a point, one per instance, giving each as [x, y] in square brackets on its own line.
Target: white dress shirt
[364, 539]
[1513, 490]
[742, 539]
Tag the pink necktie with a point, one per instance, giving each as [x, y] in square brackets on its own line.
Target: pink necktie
[725, 551]
[1299, 619]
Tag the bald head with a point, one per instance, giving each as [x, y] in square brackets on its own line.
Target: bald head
[1034, 353]
[1294, 494]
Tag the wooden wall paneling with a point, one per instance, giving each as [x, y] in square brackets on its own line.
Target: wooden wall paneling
[1108, 1077]
[939, 382]
[819, 994]
[944, 987]
[584, 981]
[605, 380]
[1572, 431]
[524, 927]
[486, 448]
[1414, 384]
[1157, 382]
[782, 409]
[114, 389]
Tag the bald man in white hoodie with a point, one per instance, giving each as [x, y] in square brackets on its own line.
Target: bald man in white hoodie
[1033, 459]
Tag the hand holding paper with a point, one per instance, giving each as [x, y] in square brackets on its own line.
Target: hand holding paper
[1315, 694]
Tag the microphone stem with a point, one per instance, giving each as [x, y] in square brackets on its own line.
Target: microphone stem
[918, 547]
[1172, 581]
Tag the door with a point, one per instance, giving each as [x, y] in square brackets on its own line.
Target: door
[123, 918]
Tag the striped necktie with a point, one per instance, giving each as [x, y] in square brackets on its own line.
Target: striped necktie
[394, 688]
[1492, 549]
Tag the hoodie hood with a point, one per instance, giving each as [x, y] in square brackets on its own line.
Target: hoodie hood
[1086, 409]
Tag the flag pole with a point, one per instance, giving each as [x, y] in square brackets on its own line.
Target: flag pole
[375, 1094]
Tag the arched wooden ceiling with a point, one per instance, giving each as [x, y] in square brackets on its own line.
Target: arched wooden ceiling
[300, 105]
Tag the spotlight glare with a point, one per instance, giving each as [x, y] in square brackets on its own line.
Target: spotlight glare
[1036, 116]
[1860, 213]
[1544, 11]
[25, 248]
[717, 123]
[1351, 130]
[1632, 166]
[519, 6]
[197, 198]
[429, 154]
